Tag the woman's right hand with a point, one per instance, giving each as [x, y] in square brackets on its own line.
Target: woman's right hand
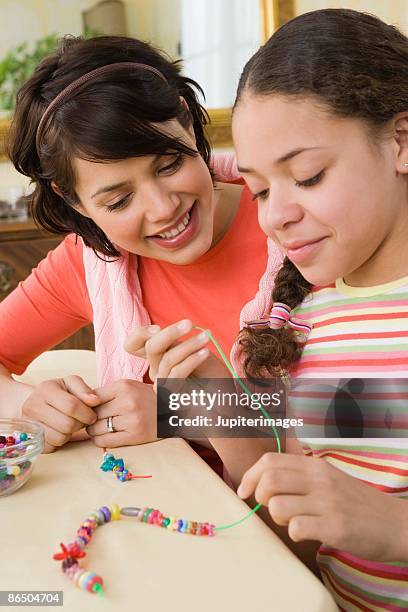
[171, 356]
[62, 406]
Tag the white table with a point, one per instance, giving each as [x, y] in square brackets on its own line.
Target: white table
[146, 567]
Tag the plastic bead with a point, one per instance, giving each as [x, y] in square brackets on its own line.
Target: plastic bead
[95, 581]
[14, 470]
[67, 563]
[115, 512]
[152, 518]
[171, 522]
[130, 511]
[99, 516]
[106, 513]
[141, 514]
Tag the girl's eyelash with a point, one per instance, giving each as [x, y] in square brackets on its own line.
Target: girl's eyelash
[311, 181]
[120, 203]
[262, 195]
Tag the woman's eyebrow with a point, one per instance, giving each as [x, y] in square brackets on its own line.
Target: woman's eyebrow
[114, 186]
[109, 188]
[282, 159]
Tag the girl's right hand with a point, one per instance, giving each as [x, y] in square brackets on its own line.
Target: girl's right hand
[62, 406]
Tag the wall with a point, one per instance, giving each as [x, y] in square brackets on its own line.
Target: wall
[391, 11]
[29, 20]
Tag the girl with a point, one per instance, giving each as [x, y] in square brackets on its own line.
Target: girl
[112, 135]
[320, 127]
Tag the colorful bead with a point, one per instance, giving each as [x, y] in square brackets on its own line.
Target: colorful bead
[84, 536]
[171, 522]
[130, 511]
[106, 513]
[67, 563]
[13, 470]
[115, 512]
[81, 542]
[146, 514]
[153, 516]
[94, 584]
[99, 516]
[139, 516]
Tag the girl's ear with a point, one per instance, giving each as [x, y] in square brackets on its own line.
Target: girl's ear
[401, 138]
[79, 208]
[56, 190]
[184, 103]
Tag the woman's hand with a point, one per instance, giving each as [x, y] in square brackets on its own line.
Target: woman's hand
[62, 406]
[132, 407]
[320, 502]
[171, 357]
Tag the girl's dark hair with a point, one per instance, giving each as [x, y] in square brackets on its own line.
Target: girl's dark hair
[111, 117]
[353, 65]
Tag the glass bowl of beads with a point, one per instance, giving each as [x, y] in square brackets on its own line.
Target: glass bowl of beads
[21, 441]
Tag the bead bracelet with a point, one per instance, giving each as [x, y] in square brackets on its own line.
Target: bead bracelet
[111, 464]
[74, 551]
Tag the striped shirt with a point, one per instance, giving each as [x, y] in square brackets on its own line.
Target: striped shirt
[360, 332]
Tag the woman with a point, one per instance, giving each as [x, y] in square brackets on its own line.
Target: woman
[112, 135]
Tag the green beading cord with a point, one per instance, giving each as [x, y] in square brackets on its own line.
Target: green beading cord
[264, 412]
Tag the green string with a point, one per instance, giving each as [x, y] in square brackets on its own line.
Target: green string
[254, 509]
[262, 409]
[235, 375]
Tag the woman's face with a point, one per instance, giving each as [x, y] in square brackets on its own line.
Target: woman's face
[155, 206]
[327, 195]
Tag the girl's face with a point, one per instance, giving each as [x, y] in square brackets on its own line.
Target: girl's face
[155, 206]
[327, 195]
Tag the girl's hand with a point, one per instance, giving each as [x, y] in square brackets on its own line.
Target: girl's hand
[132, 406]
[320, 502]
[62, 406]
[170, 357]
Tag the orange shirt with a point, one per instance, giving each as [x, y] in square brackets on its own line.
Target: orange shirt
[53, 302]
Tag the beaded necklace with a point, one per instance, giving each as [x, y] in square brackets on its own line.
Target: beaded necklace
[74, 551]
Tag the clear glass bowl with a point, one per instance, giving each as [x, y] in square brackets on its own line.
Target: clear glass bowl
[17, 461]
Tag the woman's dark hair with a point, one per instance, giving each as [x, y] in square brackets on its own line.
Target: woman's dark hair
[111, 117]
[353, 65]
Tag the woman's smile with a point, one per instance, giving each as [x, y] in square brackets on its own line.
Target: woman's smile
[179, 233]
